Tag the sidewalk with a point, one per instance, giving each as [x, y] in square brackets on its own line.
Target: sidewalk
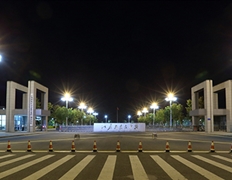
[22, 133]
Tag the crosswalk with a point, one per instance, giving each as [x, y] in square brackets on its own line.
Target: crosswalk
[103, 166]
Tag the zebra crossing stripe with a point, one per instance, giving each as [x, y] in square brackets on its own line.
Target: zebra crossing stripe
[137, 168]
[23, 166]
[72, 173]
[108, 169]
[223, 158]
[6, 156]
[196, 168]
[47, 169]
[15, 160]
[214, 163]
[173, 174]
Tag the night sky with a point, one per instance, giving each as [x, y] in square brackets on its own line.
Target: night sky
[113, 54]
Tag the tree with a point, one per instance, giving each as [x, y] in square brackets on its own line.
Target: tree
[60, 114]
[177, 113]
[188, 108]
[159, 117]
[38, 103]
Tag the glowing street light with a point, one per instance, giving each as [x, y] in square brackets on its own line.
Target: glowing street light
[90, 110]
[82, 106]
[0, 57]
[129, 116]
[171, 98]
[154, 107]
[139, 113]
[67, 98]
[106, 118]
[144, 111]
[95, 114]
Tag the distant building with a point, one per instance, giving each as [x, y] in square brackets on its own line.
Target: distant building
[24, 119]
[217, 110]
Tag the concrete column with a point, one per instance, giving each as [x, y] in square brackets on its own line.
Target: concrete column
[10, 106]
[229, 106]
[208, 103]
[31, 106]
[24, 103]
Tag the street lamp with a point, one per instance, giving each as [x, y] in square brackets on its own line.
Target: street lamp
[0, 57]
[171, 98]
[67, 98]
[82, 106]
[90, 110]
[106, 118]
[95, 114]
[139, 113]
[144, 111]
[154, 107]
[129, 116]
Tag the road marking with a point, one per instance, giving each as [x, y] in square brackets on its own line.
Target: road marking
[23, 166]
[223, 158]
[173, 174]
[214, 163]
[137, 168]
[72, 173]
[108, 169]
[196, 168]
[47, 169]
[15, 160]
[6, 156]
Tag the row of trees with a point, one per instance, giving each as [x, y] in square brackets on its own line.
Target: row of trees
[162, 116]
[180, 115]
[75, 116]
[60, 113]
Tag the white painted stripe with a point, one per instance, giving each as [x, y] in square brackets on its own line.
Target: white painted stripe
[223, 158]
[137, 168]
[72, 173]
[6, 156]
[214, 163]
[196, 168]
[108, 169]
[172, 173]
[47, 169]
[23, 166]
[15, 160]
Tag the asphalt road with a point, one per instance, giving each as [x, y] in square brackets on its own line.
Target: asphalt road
[62, 141]
[152, 163]
[117, 166]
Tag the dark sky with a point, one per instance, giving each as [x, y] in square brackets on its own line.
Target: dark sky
[115, 54]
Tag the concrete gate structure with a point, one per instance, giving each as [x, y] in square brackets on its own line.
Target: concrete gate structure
[28, 112]
[211, 110]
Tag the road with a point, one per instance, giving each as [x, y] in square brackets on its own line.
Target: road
[62, 141]
[152, 163]
[117, 166]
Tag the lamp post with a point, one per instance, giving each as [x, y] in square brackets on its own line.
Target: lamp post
[82, 106]
[106, 118]
[129, 116]
[171, 98]
[67, 98]
[95, 114]
[154, 107]
[144, 111]
[139, 113]
[90, 110]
